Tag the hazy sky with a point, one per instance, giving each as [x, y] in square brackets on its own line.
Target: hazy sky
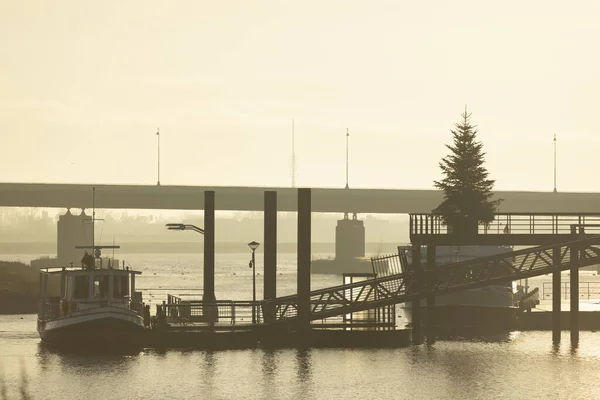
[85, 84]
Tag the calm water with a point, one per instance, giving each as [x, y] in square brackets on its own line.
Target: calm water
[520, 365]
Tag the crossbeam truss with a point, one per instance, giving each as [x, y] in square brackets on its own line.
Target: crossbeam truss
[415, 283]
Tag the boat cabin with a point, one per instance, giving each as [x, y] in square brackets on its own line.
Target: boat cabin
[84, 288]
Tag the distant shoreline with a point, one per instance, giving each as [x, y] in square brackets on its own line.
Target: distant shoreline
[49, 248]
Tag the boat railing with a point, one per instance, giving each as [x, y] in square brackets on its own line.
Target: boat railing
[56, 307]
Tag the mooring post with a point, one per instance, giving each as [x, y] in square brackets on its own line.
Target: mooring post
[417, 286]
[270, 263]
[208, 295]
[556, 295]
[304, 254]
[574, 283]
[430, 284]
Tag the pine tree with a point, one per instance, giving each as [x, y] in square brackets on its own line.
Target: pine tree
[467, 189]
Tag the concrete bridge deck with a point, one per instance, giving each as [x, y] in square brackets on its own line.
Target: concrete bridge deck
[385, 201]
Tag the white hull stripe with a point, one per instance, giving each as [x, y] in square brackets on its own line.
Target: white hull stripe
[94, 316]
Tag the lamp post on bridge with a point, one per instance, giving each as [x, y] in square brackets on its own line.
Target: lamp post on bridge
[253, 246]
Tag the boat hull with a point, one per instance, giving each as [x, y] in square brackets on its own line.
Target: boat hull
[489, 308]
[98, 329]
[452, 318]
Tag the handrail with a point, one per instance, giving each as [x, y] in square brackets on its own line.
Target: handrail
[189, 311]
[417, 283]
[590, 289]
[513, 223]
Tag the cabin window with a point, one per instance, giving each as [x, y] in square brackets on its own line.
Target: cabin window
[120, 286]
[81, 287]
[101, 286]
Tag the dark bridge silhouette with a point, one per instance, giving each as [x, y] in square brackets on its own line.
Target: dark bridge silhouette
[394, 201]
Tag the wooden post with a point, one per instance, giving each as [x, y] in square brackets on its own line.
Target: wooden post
[574, 283]
[416, 304]
[556, 295]
[430, 284]
[270, 254]
[208, 295]
[304, 254]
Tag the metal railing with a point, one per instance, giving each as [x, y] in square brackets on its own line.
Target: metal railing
[513, 223]
[389, 264]
[589, 290]
[184, 312]
[415, 283]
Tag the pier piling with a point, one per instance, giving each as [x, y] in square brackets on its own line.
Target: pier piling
[431, 280]
[209, 251]
[304, 254]
[416, 304]
[270, 240]
[574, 283]
[556, 295]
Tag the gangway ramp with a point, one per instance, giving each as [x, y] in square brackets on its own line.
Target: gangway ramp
[411, 284]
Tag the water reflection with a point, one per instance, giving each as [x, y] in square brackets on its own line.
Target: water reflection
[303, 373]
[208, 372]
[556, 348]
[269, 363]
[269, 372]
[91, 351]
[87, 362]
[3, 389]
[479, 336]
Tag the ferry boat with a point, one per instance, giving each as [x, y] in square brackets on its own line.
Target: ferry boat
[491, 307]
[97, 305]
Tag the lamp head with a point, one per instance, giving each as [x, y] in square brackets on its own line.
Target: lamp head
[175, 227]
[253, 245]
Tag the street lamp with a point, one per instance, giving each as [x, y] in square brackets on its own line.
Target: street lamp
[253, 245]
[184, 227]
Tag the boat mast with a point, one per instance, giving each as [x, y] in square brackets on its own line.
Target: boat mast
[293, 156]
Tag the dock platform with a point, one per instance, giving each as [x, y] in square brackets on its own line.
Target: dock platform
[240, 337]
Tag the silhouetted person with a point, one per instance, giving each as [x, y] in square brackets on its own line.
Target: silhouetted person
[147, 315]
[88, 260]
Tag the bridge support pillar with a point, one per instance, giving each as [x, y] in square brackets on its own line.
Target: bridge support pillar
[556, 295]
[430, 284]
[415, 305]
[574, 283]
[270, 240]
[209, 253]
[304, 254]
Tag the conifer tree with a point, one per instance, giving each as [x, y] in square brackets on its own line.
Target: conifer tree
[467, 189]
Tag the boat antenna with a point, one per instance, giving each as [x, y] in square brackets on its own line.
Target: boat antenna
[293, 156]
[347, 136]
